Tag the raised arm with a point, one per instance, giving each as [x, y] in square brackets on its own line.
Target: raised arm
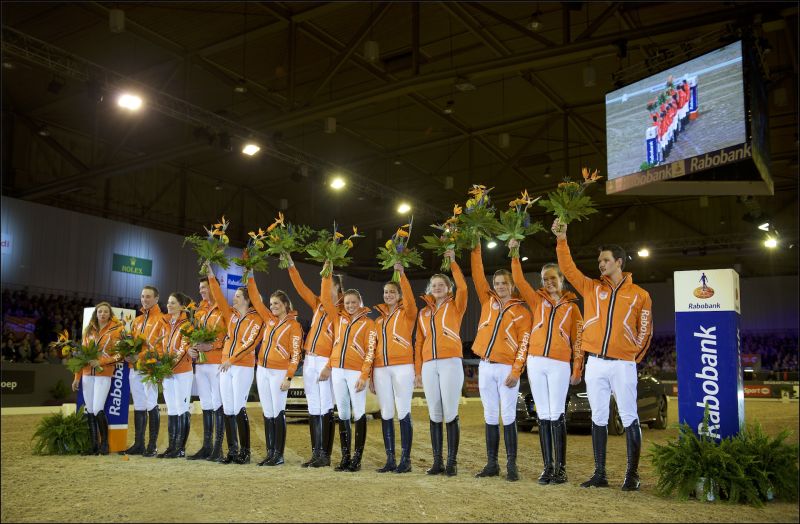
[478, 277]
[224, 308]
[461, 287]
[327, 303]
[645, 327]
[305, 293]
[257, 302]
[409, 302]
[579, 281]
[526, 291]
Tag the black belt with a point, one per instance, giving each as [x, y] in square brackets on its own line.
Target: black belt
[601, 357]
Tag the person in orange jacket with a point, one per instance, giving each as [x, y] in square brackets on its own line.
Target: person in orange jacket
[501, 343]
[393, 370]
[145, 395]
[206, 376]
[279, 356]
[318, 345]
[437, 361]
[349, 368]
[178, 387]
[616, 333]
[236, 370]
[104, 329]
[554, 343]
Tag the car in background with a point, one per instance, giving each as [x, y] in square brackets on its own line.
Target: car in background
[652, 406]
[297, 404]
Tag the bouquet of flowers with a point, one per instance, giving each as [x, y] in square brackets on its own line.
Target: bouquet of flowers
[211, 249]
[129, 344]
[285, 239]
[80, 356]
[568, 202]
[515, 223]
[449, 238]
[396, 251]
[155, 367]
[478, 219]
[196, 333]
[253, 258]
[331, 247]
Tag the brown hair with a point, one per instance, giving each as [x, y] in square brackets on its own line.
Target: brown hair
[154, 289]
[283, 297]
[443, 277]
[395, 285]
[183, 299]
[338, 280]
[245, 294]
[354, 292]
[616, 252]
[509, 278]
[94, 324]
[202, 279]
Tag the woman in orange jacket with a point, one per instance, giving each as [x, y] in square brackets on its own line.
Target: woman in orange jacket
[437, 361]
[349, 368]
[393, 372]
[554, 343]
[178, 387]
[318, 345]
[236, 369]
[104, 330]
[277, 363]
[502, 344]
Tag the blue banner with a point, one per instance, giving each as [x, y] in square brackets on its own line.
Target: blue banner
[233, 282]
[116, 407]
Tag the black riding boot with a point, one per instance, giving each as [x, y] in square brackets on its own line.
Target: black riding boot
[387, 427]
[437, 468]
[329, 422]
[185, 426]
[559, 430]
[345, 436]
[633, 437]
[139, 425]
[280, 440]
[269, 438]
[102, 429]
[94, 445]
[324, 434]
[154, 421]
[233, 440]
[599, 441]
[510, 437]
[406, 437]
[361, 439]
[208, 430]
[171, 427]
[312, 431]
[453, 437]
[491, 469]
[243, 426]
[219, 429]
[546, 443]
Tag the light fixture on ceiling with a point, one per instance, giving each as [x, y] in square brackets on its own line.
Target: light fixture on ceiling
[397, 162]
[491, 244]
[764, 226]
[463, 84]
[241, 86]
[524, 259]
[130, 101]
[589, 75]
[403, 208]
[218, 186]
[372, 51]
[330, 125]
[771, 243]
[535, 22]
[644, 252]
[8, 65]
[546, 172]
[43, 131]
[449, 107]
[338, 183]
[250, 148]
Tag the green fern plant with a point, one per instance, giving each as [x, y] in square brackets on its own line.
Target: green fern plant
[60, 435]
[773, 468]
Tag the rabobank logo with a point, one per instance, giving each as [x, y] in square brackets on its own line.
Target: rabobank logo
[233, 281]
[704, 291]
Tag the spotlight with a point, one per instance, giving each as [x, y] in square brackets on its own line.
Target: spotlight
[397, 162]
[535, 23]
[764, 226]
[547, 172]
[644, 252]
[218, 186]
[492, 244]
[43, 131]
[338, 183]
[129, 101]
[240, 87]
[55, 85]
[463, 84]
[250, 149]
[524, 259]
[403, 208]
[449, 107]
[770, 243]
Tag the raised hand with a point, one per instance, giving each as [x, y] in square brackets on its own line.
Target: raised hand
[450, 254]
[559, 229]
[512, 243]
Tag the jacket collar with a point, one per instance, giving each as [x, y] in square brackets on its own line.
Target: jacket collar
[361, 313]
[154, 309]
[384, 310]
[566, 296]
[431, 301]
[627, 279]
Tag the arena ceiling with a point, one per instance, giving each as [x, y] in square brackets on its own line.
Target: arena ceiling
[456, 93]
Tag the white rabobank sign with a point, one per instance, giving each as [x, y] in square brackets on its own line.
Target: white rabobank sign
[707, 316]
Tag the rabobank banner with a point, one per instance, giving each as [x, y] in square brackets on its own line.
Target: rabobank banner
[707, 317]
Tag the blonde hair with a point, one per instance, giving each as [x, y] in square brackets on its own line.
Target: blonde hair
[94, 324]
[283, 297]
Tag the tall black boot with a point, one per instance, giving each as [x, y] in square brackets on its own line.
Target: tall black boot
[219, 429]
[324, 433]
[139, 425]
[453, 438]
[361, 439]
[437, 468]
[233, 440]
[633, 437]
[154, 421]
[510, 438]
[546, 443]
[243, 426]
[102, 429]
[491, 469]
[280, 440]
[312, 431]
[208, 430]
[171, 422]
[345, 436]
[94, 447]
[559, 430]
[269, 438]
[406, 437]
[387, 427]
[185, 426]
[599, 441]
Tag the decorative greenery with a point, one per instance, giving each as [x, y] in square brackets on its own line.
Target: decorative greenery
[773, 469]
[60, 391]
[196, 333]
[478, 220]
[155, 367]
[60, 435]
[568, 202]
[253, 258]
[285, 239]
[331, 248]
[129, 345]
[396, 251]
[449, 238]
[515, 223]
[211, 249]
[644, 166]
[80, 356]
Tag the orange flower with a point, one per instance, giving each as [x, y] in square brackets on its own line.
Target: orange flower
[272, 226]
[151, 361]
[402, 233]
[355, 231]
[338, 235]
[348, 243]
[456, 210]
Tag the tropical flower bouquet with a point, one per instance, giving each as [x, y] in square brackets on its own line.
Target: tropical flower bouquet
[477, 221]
[396, 251]
[253, 258]
[129, 344]
[155, 367]
[80, 356]
[331, 247]
[197, 333]
[211, 249]
[285, 239]
[449, 238]
[515, 223]
[568, 202]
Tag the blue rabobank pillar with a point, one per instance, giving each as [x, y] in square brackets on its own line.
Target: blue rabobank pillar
[707, 314]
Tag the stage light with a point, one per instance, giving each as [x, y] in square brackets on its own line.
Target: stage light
[644, 252]
[129, 102]
[250, 149]
[338, 183]
[764, 226]
[524, 259]
[449, 107]
[535, 22]
[770, 243]
[403, 208]
[492, 244]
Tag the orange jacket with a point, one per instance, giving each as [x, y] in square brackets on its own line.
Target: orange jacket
[617, 319]
[503, 329]
[320, 335]
[396, 329]
[282, 339]
[439, 327]
[147, 325]
[211, 317]
[243, 330]
[555, 326]
[354, 341]
[106, 340]
[174, 343]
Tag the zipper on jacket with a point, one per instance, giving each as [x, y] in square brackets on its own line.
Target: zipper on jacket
[493, 338]
[612, 303]
[386, 340]
[549, 338]
[314, 339]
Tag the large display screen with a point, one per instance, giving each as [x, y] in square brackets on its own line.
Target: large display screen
[689, 111]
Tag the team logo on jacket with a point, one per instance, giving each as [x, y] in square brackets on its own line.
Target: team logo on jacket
[603, 295]
[271, 323]
[495, 305]
[427, 313]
